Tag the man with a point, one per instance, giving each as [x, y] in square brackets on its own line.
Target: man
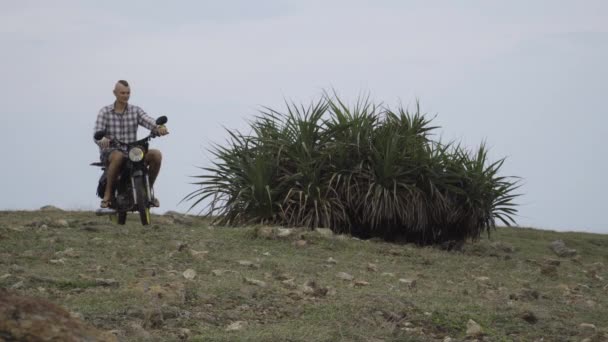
[120, 120]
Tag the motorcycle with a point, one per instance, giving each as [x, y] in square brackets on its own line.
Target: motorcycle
[132, 189]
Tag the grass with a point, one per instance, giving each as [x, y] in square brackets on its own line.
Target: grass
[496, 282]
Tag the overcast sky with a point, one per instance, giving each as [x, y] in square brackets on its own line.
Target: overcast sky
[528, 77]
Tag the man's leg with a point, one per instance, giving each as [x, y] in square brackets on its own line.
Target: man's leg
[154, 160]
[115, 161]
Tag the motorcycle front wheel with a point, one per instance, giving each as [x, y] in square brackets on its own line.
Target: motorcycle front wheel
[142, 200]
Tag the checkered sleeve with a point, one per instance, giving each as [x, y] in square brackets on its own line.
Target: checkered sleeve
[143, 119]
[100, 124]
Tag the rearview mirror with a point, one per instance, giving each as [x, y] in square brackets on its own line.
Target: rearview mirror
[161, 120]
[99, 135]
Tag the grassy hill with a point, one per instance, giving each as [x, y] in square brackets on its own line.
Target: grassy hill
[183, 279]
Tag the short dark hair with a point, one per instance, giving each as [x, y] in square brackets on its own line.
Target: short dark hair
[124, 83]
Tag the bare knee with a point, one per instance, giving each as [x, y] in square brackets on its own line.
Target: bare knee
[116, 158]
[154, 156]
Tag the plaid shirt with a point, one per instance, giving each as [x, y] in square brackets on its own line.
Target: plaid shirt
[122, 126]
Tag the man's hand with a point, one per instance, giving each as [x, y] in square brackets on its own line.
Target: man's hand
[161, 130]
[104, 142]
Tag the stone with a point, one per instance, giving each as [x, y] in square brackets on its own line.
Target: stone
[265, 232]
[549, 270]
[473, 329]
[345, 276]
[560, 249]
[248, 263]
[284, 232]
[326, 232]
[236, 326]
[24, 318]
[198, 254]
[588, 327]
[331, 260]
[300, 243]
[189, 274]
[184, 333]
[360, 283]
[372, 267]
[255, 282]
[411, 283]
[529, 317]
[289, 284]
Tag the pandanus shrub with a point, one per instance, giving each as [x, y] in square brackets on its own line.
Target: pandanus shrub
[363, 169]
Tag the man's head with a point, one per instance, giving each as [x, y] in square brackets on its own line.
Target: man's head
[122, 91]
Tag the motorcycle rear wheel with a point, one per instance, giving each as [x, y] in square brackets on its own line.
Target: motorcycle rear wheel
[143, 207]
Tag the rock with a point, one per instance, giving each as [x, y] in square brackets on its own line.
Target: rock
[236, 326]
[372, 267]
[255, 282]
[411, 283]
[107, 282]
[180, 245]
[482, 279]
[189, 274]
[311, 288]
[264, 232]
[529, 317]
[360, 283]
[17, 269]
[560, 249]
[588, 327]
[69, 252]
[345, 276]
[388, 274]
[50, 208]
[448, 339]
[326, 232]
[283, 276]
[300, 243]
[137, 331]
[218, 273]
[60, 261]
[179, 218]
[248, 263]
[473, 329]
[198, 254]
[184, 333]
[290, 284]
[549, 271]
[552, 262]
[25, 318]
[331, 260]
[62, 223]
[284, 232]
[153, 317]
[503, 246]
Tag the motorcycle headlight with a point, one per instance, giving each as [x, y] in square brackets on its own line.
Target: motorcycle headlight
[136, 154]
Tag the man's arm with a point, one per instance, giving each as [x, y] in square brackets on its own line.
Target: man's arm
[143, 119]
[100, 125]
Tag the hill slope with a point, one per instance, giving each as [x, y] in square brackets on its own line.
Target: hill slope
[182, 279]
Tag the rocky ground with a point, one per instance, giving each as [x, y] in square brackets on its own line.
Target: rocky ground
[73, 276]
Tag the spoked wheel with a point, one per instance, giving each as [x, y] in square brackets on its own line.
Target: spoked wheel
[143, 207]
